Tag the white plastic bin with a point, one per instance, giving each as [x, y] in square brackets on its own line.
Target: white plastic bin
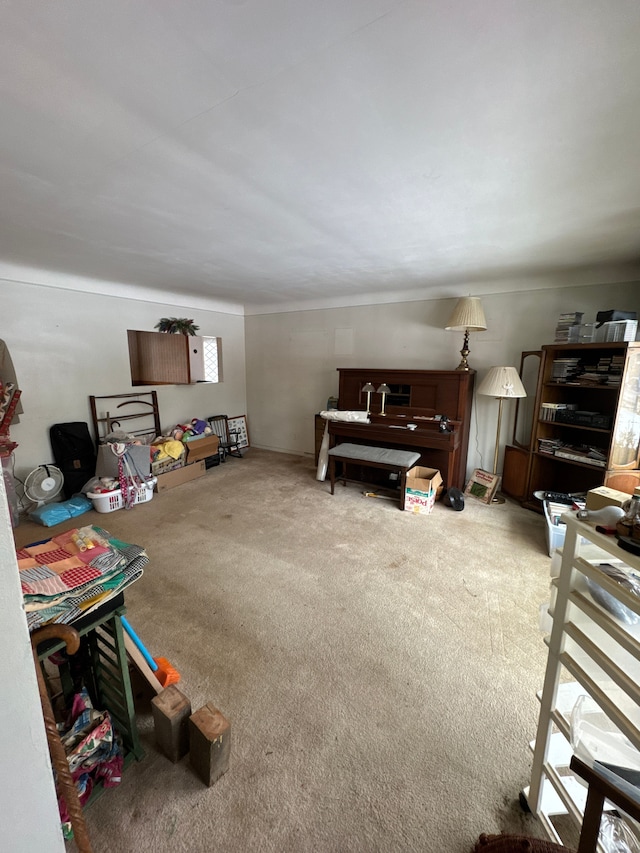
[111, 501]
[555, 530]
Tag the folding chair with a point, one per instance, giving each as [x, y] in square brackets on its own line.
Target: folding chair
[229, 445]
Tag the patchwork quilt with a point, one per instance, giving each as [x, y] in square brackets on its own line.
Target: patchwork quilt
[69, 575]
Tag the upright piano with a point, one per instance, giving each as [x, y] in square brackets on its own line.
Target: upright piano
[421, 397]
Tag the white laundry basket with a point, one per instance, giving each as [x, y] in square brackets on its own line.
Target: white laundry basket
[111, 501]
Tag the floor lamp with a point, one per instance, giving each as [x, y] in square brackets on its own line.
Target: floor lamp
[502, 383]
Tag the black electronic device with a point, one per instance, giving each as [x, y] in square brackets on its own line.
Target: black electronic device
[454, 498]
[613, 316]
[629, 544]
[555, 497]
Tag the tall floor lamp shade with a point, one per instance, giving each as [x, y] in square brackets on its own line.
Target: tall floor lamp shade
[502, 383]
[467, 316]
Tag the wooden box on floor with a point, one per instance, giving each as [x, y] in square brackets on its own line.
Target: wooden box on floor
[171, 711]
[209, 743]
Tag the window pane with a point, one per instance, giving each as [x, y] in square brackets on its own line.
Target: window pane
[211, 347]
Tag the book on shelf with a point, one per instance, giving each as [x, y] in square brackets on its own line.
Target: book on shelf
[596, 453]
[571, 317]
[574, 455]
[563, 369]
[549, 445]
[549, 411]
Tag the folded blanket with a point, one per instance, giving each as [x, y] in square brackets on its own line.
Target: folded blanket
[336, 415]
[60, 583]
[173, 449]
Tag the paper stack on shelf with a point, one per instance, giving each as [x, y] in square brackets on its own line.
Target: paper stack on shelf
[614, 376]
[550, 411]
[564, 369]
[564, 324]
[549, 445]
[587, 455]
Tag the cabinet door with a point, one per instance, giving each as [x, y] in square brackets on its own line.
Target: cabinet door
[525, 414]
[515, 473]
[625, 443]
[624, 461]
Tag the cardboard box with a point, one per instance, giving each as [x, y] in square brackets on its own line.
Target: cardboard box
[180, 476]
[107, 461]
[168, 463]
[421, 489]
[201, 447]
[604, 496]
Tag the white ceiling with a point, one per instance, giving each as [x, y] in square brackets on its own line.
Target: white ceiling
[270, 153]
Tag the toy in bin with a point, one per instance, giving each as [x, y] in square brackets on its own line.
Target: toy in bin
[162, 669]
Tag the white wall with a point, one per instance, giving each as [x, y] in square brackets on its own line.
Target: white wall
[67, 345]
[292, 358]
[27, 792]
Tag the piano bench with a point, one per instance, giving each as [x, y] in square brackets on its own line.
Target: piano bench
[394, 461]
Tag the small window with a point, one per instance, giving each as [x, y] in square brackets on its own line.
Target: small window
[212, 359]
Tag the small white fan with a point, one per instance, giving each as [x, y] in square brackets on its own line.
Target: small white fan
[43, 484]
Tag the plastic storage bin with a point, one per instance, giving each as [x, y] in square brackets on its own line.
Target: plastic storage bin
[111, 501]
[617, 330]
[554, 530]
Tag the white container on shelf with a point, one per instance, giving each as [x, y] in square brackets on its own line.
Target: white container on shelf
[582, 333]
[617, 330]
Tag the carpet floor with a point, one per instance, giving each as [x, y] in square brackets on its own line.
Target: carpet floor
[379, 669]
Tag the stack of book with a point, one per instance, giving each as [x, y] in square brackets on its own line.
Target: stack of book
[549, 411]
[564, 324]
[615, 371]
[564, 369]
[593, 378]
[550, 446]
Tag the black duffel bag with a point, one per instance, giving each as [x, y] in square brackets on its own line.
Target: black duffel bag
[74, 454]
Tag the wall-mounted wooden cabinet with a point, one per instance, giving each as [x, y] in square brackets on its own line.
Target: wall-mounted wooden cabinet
[157, 358]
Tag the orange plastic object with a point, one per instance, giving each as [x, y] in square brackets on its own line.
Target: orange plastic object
[165, 673]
